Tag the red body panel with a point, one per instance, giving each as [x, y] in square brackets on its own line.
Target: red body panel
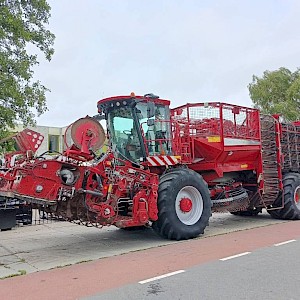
[217, 136]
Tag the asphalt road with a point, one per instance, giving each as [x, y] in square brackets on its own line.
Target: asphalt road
[270, 273]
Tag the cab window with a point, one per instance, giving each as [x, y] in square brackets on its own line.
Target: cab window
[124, 134]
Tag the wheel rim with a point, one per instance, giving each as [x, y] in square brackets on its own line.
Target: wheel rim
[297, 196]
[189, 205]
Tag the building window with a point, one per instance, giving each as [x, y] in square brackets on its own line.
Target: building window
[54, 143]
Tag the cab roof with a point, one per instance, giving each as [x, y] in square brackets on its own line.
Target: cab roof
[105, 101]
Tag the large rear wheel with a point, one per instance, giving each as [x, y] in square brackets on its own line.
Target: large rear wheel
[291, 198]
[184, 205]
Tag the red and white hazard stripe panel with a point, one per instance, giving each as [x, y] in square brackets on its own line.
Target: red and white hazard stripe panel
[162, 160]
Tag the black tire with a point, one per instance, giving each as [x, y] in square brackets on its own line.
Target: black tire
[291, 209]
[169, 225]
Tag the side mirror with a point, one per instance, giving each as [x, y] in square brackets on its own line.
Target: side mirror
[99, 117]
[150, 110]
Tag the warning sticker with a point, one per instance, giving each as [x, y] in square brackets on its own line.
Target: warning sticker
[214, 139]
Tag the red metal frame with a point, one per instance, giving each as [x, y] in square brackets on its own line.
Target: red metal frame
[27, 142]
[216, 140]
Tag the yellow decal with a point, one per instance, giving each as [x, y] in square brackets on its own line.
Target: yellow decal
[110, 188]
[245, 166]
[214, 139]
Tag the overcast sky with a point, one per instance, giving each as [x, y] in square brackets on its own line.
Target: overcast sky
[185, 51]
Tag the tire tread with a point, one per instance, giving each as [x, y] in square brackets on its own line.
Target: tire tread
[290, 211]
[165, 226]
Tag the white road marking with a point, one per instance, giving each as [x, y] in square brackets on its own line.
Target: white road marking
[283, 243]
[234, 256]
[161, 276]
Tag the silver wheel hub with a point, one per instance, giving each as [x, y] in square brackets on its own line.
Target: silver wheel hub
[189, 205]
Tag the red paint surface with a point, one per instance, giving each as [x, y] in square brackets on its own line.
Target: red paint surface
[186, 205]
[94, 277]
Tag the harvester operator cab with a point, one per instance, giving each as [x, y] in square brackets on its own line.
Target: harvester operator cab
[137, 126]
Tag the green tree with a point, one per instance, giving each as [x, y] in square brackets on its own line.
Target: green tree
[277, 92]
[22, 30]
